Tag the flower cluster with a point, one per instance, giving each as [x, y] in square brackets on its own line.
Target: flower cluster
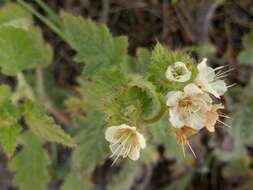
[193, 107]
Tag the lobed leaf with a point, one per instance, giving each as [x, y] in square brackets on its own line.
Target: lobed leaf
[43, 126]
[21, 49]
[16, 16]
[8, 138]
[94, 44]
[30, 165]
[77, 181]
[9, 117]
[92, 147]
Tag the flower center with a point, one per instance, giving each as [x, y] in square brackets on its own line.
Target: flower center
[178, 71]
[185, 102]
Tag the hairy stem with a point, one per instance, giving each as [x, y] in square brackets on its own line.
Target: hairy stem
[51, 25]
[54, 17]
[62, 118]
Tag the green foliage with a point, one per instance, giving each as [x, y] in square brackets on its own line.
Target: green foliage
[14, 15]
[77, 181]
[30, 164]
[241, 131]
[44, 126]
[246, 56]
[161, 133]
[91, 147]
[9, 116]
[160, 60]
[245, 121]
[21, 49]
[125, 177]
[8, 138]
[94, 44]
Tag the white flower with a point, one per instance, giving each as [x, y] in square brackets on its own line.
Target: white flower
[188, 108]
[210, 82]
[125, 141]
[178, 72]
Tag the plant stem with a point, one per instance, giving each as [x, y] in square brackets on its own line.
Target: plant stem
[54, 17]
[24, 88]
[43, 19]
[62, 118]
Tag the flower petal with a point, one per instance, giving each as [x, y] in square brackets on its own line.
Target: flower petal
[205, 72]
[219, 87]
[172, 75]
[141, 140]
[173, 97]
[111, 134]
[134, 154]
[192, 90]
[174, 118]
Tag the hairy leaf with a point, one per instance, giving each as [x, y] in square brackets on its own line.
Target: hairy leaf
[143, 59]
[8, 138]
[160, 60]
[30, 165]
[44, 126]
[14, 15]
[21, 49]
[76, 181]
[92, 147]
[94, 44]
[9, 116]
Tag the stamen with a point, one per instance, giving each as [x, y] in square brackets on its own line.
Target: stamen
[225, 116]
[117, 157]
[231, 85]
[187, 142]
[221, 77]
[224, 123]
[116, 151]
[225, 72]
[182, 145]
[121, 145]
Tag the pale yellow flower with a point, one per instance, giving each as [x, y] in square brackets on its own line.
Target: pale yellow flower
[178, 72]
[125, 141]
[209, 81]
[188, 108]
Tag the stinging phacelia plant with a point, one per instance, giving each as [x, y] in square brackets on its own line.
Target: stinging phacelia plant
[187, 92]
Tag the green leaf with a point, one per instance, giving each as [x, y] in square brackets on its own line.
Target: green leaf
[8, 138]
[242, 129]
[248, 40]
[157, 108]
[14, 15]
[94, 44]
[143, 59]
[245, 121]
[5, 94]
[76, 181]
[44, 126]
[124, 179]
[9, 117]
[21, 49]
[160, 60]
[30, 165]
[92, 147]
[161, 133]
[246, 56]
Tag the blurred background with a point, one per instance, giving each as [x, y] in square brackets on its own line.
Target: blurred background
[220, 30]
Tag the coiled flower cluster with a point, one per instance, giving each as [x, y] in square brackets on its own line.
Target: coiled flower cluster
[189, 93]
